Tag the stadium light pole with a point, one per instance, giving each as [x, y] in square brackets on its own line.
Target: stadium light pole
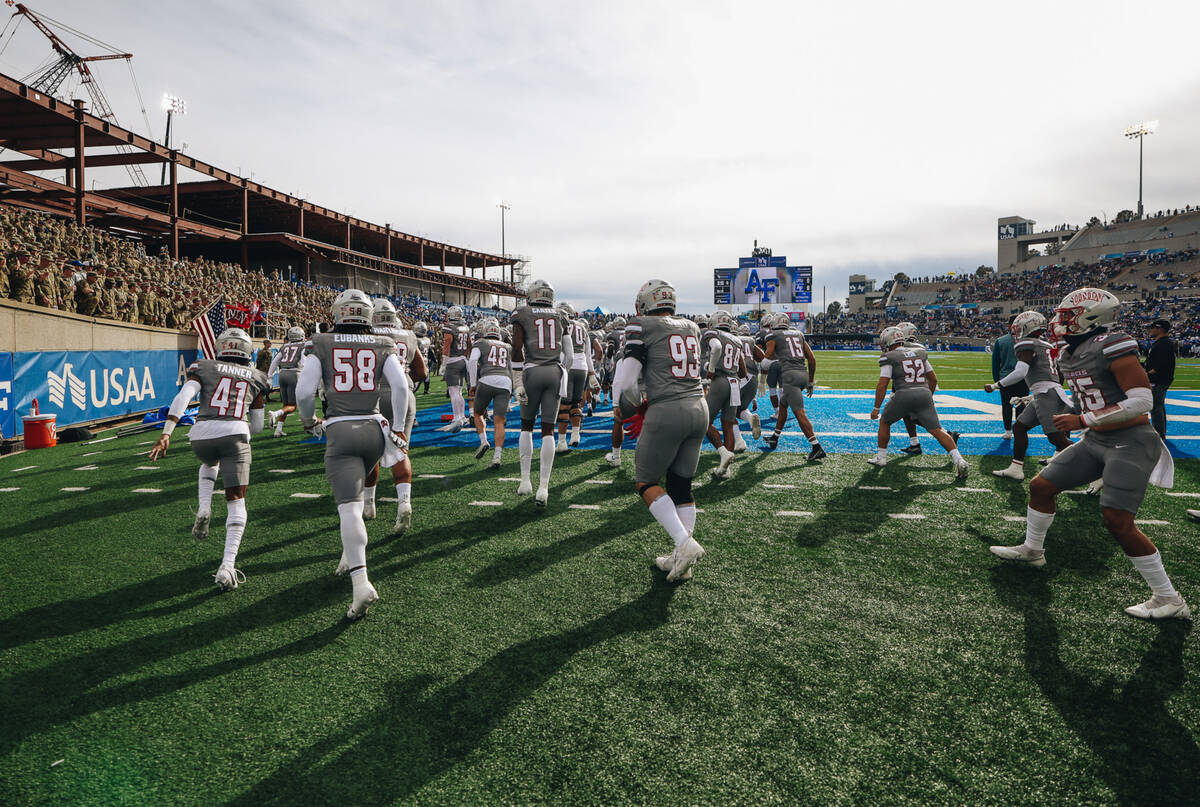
[172, 105]
[504, 207]
[1139, 131]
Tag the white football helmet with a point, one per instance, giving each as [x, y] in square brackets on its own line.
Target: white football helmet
[907, 330]
[540, 293]
[618, 324]
[491, 329]
[1027, 323]
[295, 334]
[454, 314]
[351, 307]
[743, 330]
[420, 329]
[566, 309]
[703, 320]
[890, 337]
[780, 321]
[1085, 310]
[234, 343]
[383, 314]
[655, 295]
[722, 321]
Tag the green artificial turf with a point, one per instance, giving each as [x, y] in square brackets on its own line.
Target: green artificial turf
[520, 655]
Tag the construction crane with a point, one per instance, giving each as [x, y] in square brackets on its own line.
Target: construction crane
[50, 79]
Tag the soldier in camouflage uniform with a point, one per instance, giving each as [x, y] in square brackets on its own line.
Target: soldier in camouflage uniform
[1035, 367]
[86, 301]
[230, 390]
[4, 272]
[665, 351]
[907, 369]
[351, 362]
[386, 323]
[21, 279]
[797, 367]
[1112, 401]
[45, 290]
[489, 370]
[540, 346]
[66, 288]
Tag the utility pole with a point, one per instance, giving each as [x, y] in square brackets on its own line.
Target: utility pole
[504, 206]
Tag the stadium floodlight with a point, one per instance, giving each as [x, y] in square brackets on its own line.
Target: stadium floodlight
[1139, 131]
[504, 208]
[173, 105]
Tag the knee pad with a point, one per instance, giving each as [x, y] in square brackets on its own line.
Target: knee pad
[576, 412]
[679, 488]
[642, 487]
[526, 425]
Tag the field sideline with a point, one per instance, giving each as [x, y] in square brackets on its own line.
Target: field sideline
[848, 639]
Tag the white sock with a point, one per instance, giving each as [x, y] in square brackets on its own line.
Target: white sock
[687, 515]
[914, 441]
[562, 440]
[816, 441]
[483, 438]
[1037, 524]
[354, 535]
[956, 456]
[663, 510]
[497, 452]
[235, 525]
[546, 463]
[369, 494]
[525, 448]
[616, 452]
[1151, 569]
[575, 433]
[1018, 463]
[881, 453]
[403, 491]
[204, 488]
[358, 579]
[456, 402]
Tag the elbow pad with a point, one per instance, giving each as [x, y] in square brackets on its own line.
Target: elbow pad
[1138, 401]
[1019, 372]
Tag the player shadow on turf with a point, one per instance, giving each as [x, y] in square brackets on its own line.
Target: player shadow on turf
[1147, 756]
[861, 512]
[1075, 542]
[422, 733]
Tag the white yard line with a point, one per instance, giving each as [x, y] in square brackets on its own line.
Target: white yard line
[147, 490]
[487, 504]
[598, 481]
[88, 468]
[1014, 518]
[795, 513]
[431, 476]
[26, 468]
[100, 440]
[11, 490]
[73, 490]
[777, 486]
[873, 487]
[147, 468]
[906, 516]
[975, 490]
[583, 507]
[306, 495]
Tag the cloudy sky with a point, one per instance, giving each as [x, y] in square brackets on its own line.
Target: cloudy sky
[659, 139]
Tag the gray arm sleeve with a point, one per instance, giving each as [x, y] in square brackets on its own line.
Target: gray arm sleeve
[393, 371]
[306, 388]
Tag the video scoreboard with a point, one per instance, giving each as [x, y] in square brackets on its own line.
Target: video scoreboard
[762, 279]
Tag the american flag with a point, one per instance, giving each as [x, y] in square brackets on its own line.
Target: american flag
[208, 325]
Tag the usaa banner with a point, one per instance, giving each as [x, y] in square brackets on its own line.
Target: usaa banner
[84, 385]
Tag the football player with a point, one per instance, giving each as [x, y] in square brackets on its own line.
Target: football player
[1035, 367]
[489, 370]
[752, 355]
[425, 345]
[231, 391]
[287, 364]
[580, 378]
[665, 351]
[540, 345]
[771, 368]
[1112, 401]
[726, 369]
[352, 361]
[456, 343]
[385, 323]
[907, 370]
[909, 331]
[797, 375]
[622, 407]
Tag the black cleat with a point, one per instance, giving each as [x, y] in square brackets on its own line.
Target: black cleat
[817, 453]
[483, 449]
[772, 441]
[912, 451]
[954, 436]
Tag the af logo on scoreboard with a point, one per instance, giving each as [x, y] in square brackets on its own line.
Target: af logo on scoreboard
[762, 279]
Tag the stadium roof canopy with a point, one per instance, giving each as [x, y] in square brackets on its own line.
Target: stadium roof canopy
[218, 209]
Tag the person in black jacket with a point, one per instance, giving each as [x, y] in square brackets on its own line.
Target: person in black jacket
[1160, 366]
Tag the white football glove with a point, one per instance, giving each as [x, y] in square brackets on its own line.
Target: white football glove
[316, 428]
[522, 398]
[593, 382]
[398, 441]
[1024, 400]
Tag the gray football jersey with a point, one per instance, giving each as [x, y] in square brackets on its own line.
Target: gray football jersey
[1041, 368]
[1086, 369]
[614, 344]
[908, 366]
[789, 348]
[748, 354]
[581, 342]
[406, 347]
[352, 371]
[226, 389]
[669, 349]
[460, 343]
[731, 350]
[495, 358]
[290, 355]
[544, 329]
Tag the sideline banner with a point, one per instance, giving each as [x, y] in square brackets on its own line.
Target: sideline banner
[7, 399]
[85, 385]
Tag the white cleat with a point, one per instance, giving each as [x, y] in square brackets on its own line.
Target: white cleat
[364, 596]
[1021, 554]
[1008, 435]
[403, 518]
[1095, 488]
[686, 556]
[342, 566]
[612, 460]
[961, 470]
[667, 562]
[1194, 515]
[368, 509]
[228, 578]
[483, 449]
[561, 447]
[739, 445]
[755, 425]
[525, 488]
[456, 426]
[1159, 607]
[200, 526]
[1013, 471]
[877, 461]
[541, 497]
[278, 429]
[726, 458]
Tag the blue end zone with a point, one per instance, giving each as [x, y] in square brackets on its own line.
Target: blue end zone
[842, 420]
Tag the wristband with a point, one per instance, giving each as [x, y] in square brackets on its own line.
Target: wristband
[168, 427]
